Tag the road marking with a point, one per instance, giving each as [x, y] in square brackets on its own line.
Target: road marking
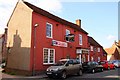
[112, 76]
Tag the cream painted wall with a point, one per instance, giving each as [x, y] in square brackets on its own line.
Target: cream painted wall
[108, 57]
[19, 37]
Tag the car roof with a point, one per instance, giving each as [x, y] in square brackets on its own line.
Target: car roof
[67, 59]
[64, 60]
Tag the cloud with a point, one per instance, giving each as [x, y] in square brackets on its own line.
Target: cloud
[53, 6]
[111, 37]
[89, 0]
[6, 8]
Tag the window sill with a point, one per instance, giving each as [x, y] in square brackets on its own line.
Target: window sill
[48, 64]
[49, 37]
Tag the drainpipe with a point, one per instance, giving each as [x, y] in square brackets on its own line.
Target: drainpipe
[88, 56]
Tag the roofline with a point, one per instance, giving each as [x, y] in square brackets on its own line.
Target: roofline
[95, 41]
[12, 13]
[56, 18]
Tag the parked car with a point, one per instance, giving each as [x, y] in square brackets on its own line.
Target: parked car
[116, 63]
[92, 67]
[107, 65]
[64, 67]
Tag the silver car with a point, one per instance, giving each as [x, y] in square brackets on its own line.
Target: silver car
[64, 67]
[116, 63]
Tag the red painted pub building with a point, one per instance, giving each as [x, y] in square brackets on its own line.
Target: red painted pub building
[43, 39]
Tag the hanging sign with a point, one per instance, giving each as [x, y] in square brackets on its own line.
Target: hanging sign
[59, 43]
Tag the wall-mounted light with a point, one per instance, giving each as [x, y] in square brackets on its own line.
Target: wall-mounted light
[36, 25]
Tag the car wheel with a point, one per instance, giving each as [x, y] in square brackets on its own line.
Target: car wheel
[93, 70]
[50, 77]
[80, 73]
[114, 67]
[64, 75]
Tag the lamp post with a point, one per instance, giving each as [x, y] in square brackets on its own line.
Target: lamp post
[34, 46]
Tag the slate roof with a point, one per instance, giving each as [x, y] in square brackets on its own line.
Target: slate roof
[93, 42]
[57, 19]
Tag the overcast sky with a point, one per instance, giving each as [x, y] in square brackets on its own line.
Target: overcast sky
[99, 17]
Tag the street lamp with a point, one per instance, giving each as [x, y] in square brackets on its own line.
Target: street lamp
[34, 42]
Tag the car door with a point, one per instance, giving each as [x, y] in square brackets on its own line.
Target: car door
[70, 67]
[98, 67]
[76, 66]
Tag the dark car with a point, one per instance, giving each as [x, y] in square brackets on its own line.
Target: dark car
[64, 67]
[92, 67]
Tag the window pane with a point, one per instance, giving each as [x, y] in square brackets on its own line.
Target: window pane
[80, 39]
[45, 55]
[91, 48]
[51, 56]
[98, 49]
[48, 30]
[67, 32]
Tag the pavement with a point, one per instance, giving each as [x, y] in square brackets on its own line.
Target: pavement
[4, 75]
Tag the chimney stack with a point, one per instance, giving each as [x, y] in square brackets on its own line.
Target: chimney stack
[78, 22]
[119, 43]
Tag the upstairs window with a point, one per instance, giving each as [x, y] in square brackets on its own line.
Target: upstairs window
[80, 39]
[91, 48]
[95, 49]
[48, 30]
[98, 49]
[69, 37]
[67, 32]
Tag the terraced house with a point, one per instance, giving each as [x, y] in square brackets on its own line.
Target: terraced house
[96, 51]
[38, 39]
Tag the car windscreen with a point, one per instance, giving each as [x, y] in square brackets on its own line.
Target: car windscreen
[85, 63]
[101, 62]
[60, 63]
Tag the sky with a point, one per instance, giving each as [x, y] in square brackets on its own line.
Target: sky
[99, 17]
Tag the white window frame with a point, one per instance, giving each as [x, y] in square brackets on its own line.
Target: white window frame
[49, 56]
[92, 59]
[98, 49]
[91, 48]
[51, 30]
[99, 58]
[67, 32]
[80, 40]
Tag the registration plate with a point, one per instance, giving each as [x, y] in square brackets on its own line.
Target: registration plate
[49, 73]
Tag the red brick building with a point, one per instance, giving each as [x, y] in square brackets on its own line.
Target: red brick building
[97, 53]
[38, 39]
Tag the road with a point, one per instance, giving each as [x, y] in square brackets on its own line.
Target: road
[105, 75]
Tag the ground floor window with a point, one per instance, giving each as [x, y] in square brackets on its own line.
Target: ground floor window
[98, 58]
[48, 56]
[92, 59]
